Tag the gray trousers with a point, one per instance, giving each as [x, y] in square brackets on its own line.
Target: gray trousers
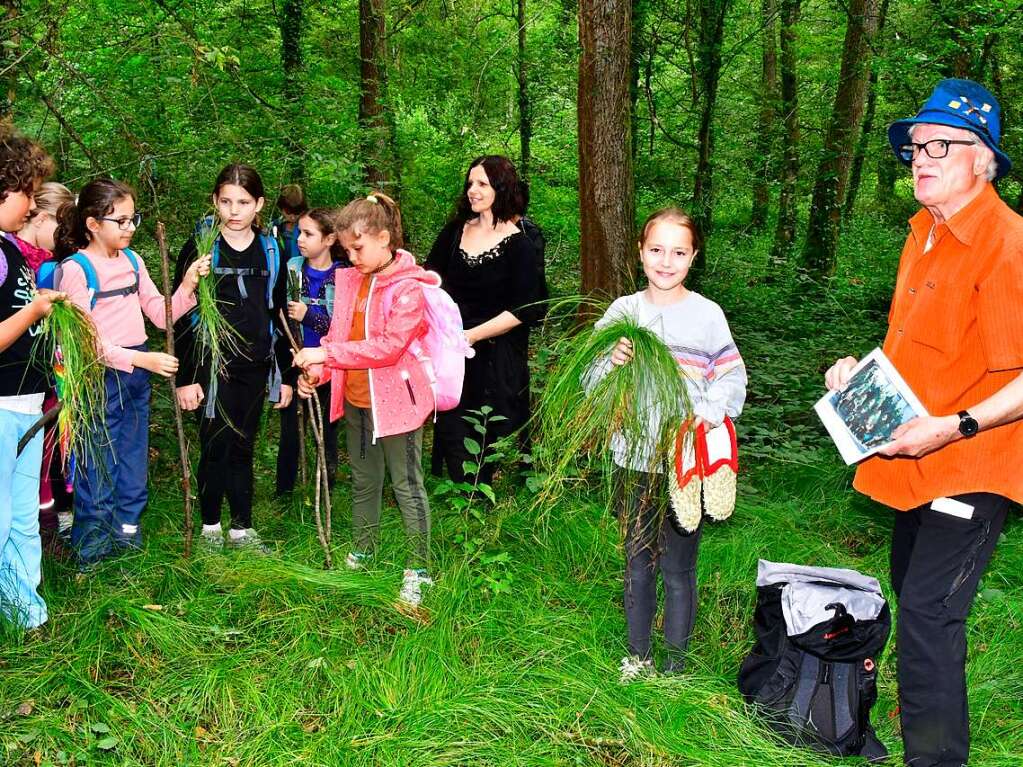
[401, 455]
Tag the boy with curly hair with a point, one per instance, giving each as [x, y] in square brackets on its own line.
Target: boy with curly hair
[24, 165]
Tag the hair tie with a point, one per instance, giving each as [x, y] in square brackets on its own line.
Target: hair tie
[372, 198]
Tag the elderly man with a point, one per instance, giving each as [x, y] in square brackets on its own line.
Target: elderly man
[956, 335]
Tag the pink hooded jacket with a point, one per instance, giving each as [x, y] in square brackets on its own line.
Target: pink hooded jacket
[401, 398]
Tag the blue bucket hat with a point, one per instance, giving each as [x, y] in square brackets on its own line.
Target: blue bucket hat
[958, 104]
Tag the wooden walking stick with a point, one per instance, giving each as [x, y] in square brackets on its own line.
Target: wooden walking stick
[313, 406]
[186, 467]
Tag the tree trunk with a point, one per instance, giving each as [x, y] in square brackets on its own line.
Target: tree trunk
[819, 253]
[712, 30]
[856, 173]
[374, 122]
[638, 66]
[606, 193]
[785, 233]
[768, 102]
[525, 116]
[291, 63]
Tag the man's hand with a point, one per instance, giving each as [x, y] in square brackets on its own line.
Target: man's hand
[838, 375]
[923, 435]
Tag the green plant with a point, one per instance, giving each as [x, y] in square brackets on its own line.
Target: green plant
[593, 415]
[216, 338]
[70, 341]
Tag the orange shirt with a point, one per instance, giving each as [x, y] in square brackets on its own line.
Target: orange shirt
[955, 333]
[357, 381]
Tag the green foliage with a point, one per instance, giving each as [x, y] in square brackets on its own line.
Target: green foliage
[216, 338]
[590, 409]
[70, 343]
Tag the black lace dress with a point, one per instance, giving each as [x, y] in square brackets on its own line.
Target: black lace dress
[508, 277]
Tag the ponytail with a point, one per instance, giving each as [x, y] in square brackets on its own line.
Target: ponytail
[373, 214]
[97, 199]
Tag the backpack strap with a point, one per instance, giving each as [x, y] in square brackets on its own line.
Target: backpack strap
[273, 265]
[92, 278]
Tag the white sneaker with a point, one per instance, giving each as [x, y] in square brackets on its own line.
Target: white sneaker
[249, 541]
[411, 587]
[356, 560]
[212, 540]
[633, 667]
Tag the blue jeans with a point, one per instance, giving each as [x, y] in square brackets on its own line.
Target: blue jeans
[20, 547]
[110, 484]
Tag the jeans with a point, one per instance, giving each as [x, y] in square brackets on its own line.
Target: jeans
[111, 482]
[937, 561]
[20, 547]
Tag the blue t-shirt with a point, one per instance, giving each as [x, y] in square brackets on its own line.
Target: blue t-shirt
[317, 320]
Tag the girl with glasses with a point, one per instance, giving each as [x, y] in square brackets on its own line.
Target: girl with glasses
[102, 275]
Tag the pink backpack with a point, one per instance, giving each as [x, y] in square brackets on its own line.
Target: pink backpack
[442, 350]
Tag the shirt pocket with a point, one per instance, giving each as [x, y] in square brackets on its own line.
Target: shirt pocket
[939, 315]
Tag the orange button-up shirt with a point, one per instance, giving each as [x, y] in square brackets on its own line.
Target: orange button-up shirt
[955, 333]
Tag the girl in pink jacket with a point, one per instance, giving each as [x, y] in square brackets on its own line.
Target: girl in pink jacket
[377, 384]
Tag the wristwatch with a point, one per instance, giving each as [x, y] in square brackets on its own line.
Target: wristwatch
[968, 425]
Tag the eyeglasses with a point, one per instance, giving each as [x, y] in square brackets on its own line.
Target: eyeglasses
[936, 148]
[124, 223]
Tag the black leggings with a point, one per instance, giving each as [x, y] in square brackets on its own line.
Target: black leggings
[227, 442]
[649, 546]
[288, 448]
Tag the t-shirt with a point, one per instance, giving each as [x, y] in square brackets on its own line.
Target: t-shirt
[21, 371]
[357, 381]
[119, 318]
[954, 333]
[316, 321]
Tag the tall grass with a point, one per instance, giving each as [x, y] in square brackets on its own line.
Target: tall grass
[70, 342]
[217, 340]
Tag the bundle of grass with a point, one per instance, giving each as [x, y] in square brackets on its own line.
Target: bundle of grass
[70, 342]
[593, 415]
[215, 336]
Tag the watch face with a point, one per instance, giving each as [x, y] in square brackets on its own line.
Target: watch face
[968, 425]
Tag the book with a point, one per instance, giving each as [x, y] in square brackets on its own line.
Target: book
[862, 417]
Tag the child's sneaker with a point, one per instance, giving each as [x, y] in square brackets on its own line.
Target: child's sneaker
[212, 540]
[411, 592]
[633, 667]
[356, 560]
[247, 540]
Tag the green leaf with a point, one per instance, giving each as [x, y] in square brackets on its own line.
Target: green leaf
[470, 467]
[100, 728]
[480, 428]
[486, 410]
[488, 491]
[472, 446]
[107, 743]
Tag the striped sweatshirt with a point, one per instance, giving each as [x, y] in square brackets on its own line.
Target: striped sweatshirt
[696, 332]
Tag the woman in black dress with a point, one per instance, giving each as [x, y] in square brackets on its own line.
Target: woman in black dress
[490, 258]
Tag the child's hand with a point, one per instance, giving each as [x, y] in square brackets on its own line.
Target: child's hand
[156, 362]
[306, 386]
[44, 300]
[297, 310]
[622, 353]
[199, 268]
[286, 394]
[190, 396]
[306, 357]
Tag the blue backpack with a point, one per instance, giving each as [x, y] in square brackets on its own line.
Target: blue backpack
[50, 276]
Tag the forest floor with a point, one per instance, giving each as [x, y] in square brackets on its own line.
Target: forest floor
[232, 659]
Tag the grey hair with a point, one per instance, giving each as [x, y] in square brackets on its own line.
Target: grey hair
[992, 165]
